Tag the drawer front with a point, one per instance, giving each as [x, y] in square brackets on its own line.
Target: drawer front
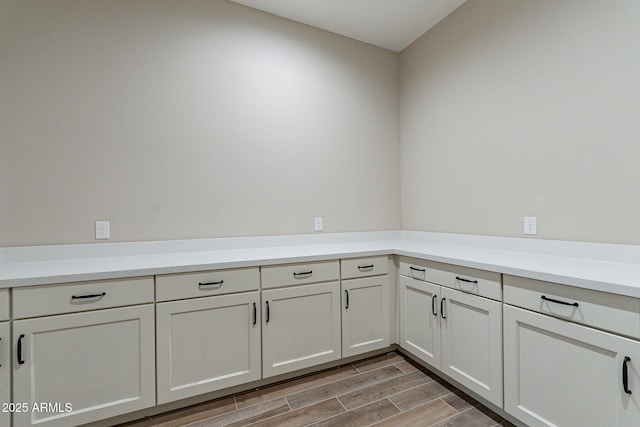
[206, 283]
[36, 301]
[4, 304]
[414, 268]
[363, 267]
[299, 274]
[615, 313]
[470, 280]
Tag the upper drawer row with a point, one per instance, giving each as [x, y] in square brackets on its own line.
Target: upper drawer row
[470, 280]
[73, 297]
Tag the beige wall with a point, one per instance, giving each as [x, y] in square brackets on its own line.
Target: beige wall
[188, 119]
[205, 118]
[525, 108]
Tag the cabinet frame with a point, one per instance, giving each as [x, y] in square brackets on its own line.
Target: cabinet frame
[226, 376]
[273, 300]
[608, 349]
[357, 313]
[26, 381]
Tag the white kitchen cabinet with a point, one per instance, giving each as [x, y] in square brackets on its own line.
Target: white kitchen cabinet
[300, 327]
[207, 344]
[5, 371]
[97, 364]
[419, 320]
[559, 373]
[471, 333]
[365, 315]
[455, 332]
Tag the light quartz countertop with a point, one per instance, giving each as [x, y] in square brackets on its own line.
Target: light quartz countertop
[603, 267]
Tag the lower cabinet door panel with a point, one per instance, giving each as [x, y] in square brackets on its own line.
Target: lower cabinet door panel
[207, 344]
[5, 373]
[365, 315]
[558, 373]
[301, 327]
[419, 326]
[472, 342]
[84, 367]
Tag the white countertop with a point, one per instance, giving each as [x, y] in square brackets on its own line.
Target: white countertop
[603, 267]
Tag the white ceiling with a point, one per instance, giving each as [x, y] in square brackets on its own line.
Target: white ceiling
[391, 24]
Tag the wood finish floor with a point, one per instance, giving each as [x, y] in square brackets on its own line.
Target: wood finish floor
[386, 390]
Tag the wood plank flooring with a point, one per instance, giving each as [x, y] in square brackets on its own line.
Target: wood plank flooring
[387, 390]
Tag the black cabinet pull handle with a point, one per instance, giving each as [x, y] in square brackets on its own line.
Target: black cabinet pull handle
[462, 279]
[218, 283]
[625, 375]
[417, 269]
[365, 267]
[268, 313]
[347, 293]
[88, 296]
[255, 313]
[575, 304]
[20, 361]
[434, 305]
[442, 306]
[304, 273]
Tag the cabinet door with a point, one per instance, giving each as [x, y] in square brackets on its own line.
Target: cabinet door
[207, 344]
[419, 319]
[5, 371]
[301, 327]
[365, 315]
[98, 364]
[472, 342]
[558, 373]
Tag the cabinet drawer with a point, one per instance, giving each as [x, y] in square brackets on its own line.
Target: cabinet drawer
[414, 268]
[299, 274]
[206, 283]
[362, 267]
[71, 297]
[470, 280]
[4, 304]
[615, 313]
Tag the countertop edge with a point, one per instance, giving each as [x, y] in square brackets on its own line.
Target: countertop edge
[599, 275]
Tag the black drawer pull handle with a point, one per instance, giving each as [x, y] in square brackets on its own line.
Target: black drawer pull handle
[462, 279]
[347, 306]
[625, 375]
[442, 306]
[365, 267]
[88, 296]
[417, 269]
[434, 305]
[218, 283]
[20, 361]
[268, 312]
[304, 273]
[575, 304]
[255, 313]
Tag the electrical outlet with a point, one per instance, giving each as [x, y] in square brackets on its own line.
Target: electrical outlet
[317, 223]
[102, 230]
[530, 225]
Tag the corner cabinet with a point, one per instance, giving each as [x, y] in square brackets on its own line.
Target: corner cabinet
[365, 306]
[84, 364]
[451, 318]
[561, 373]
[209, 342]
[301, 318]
